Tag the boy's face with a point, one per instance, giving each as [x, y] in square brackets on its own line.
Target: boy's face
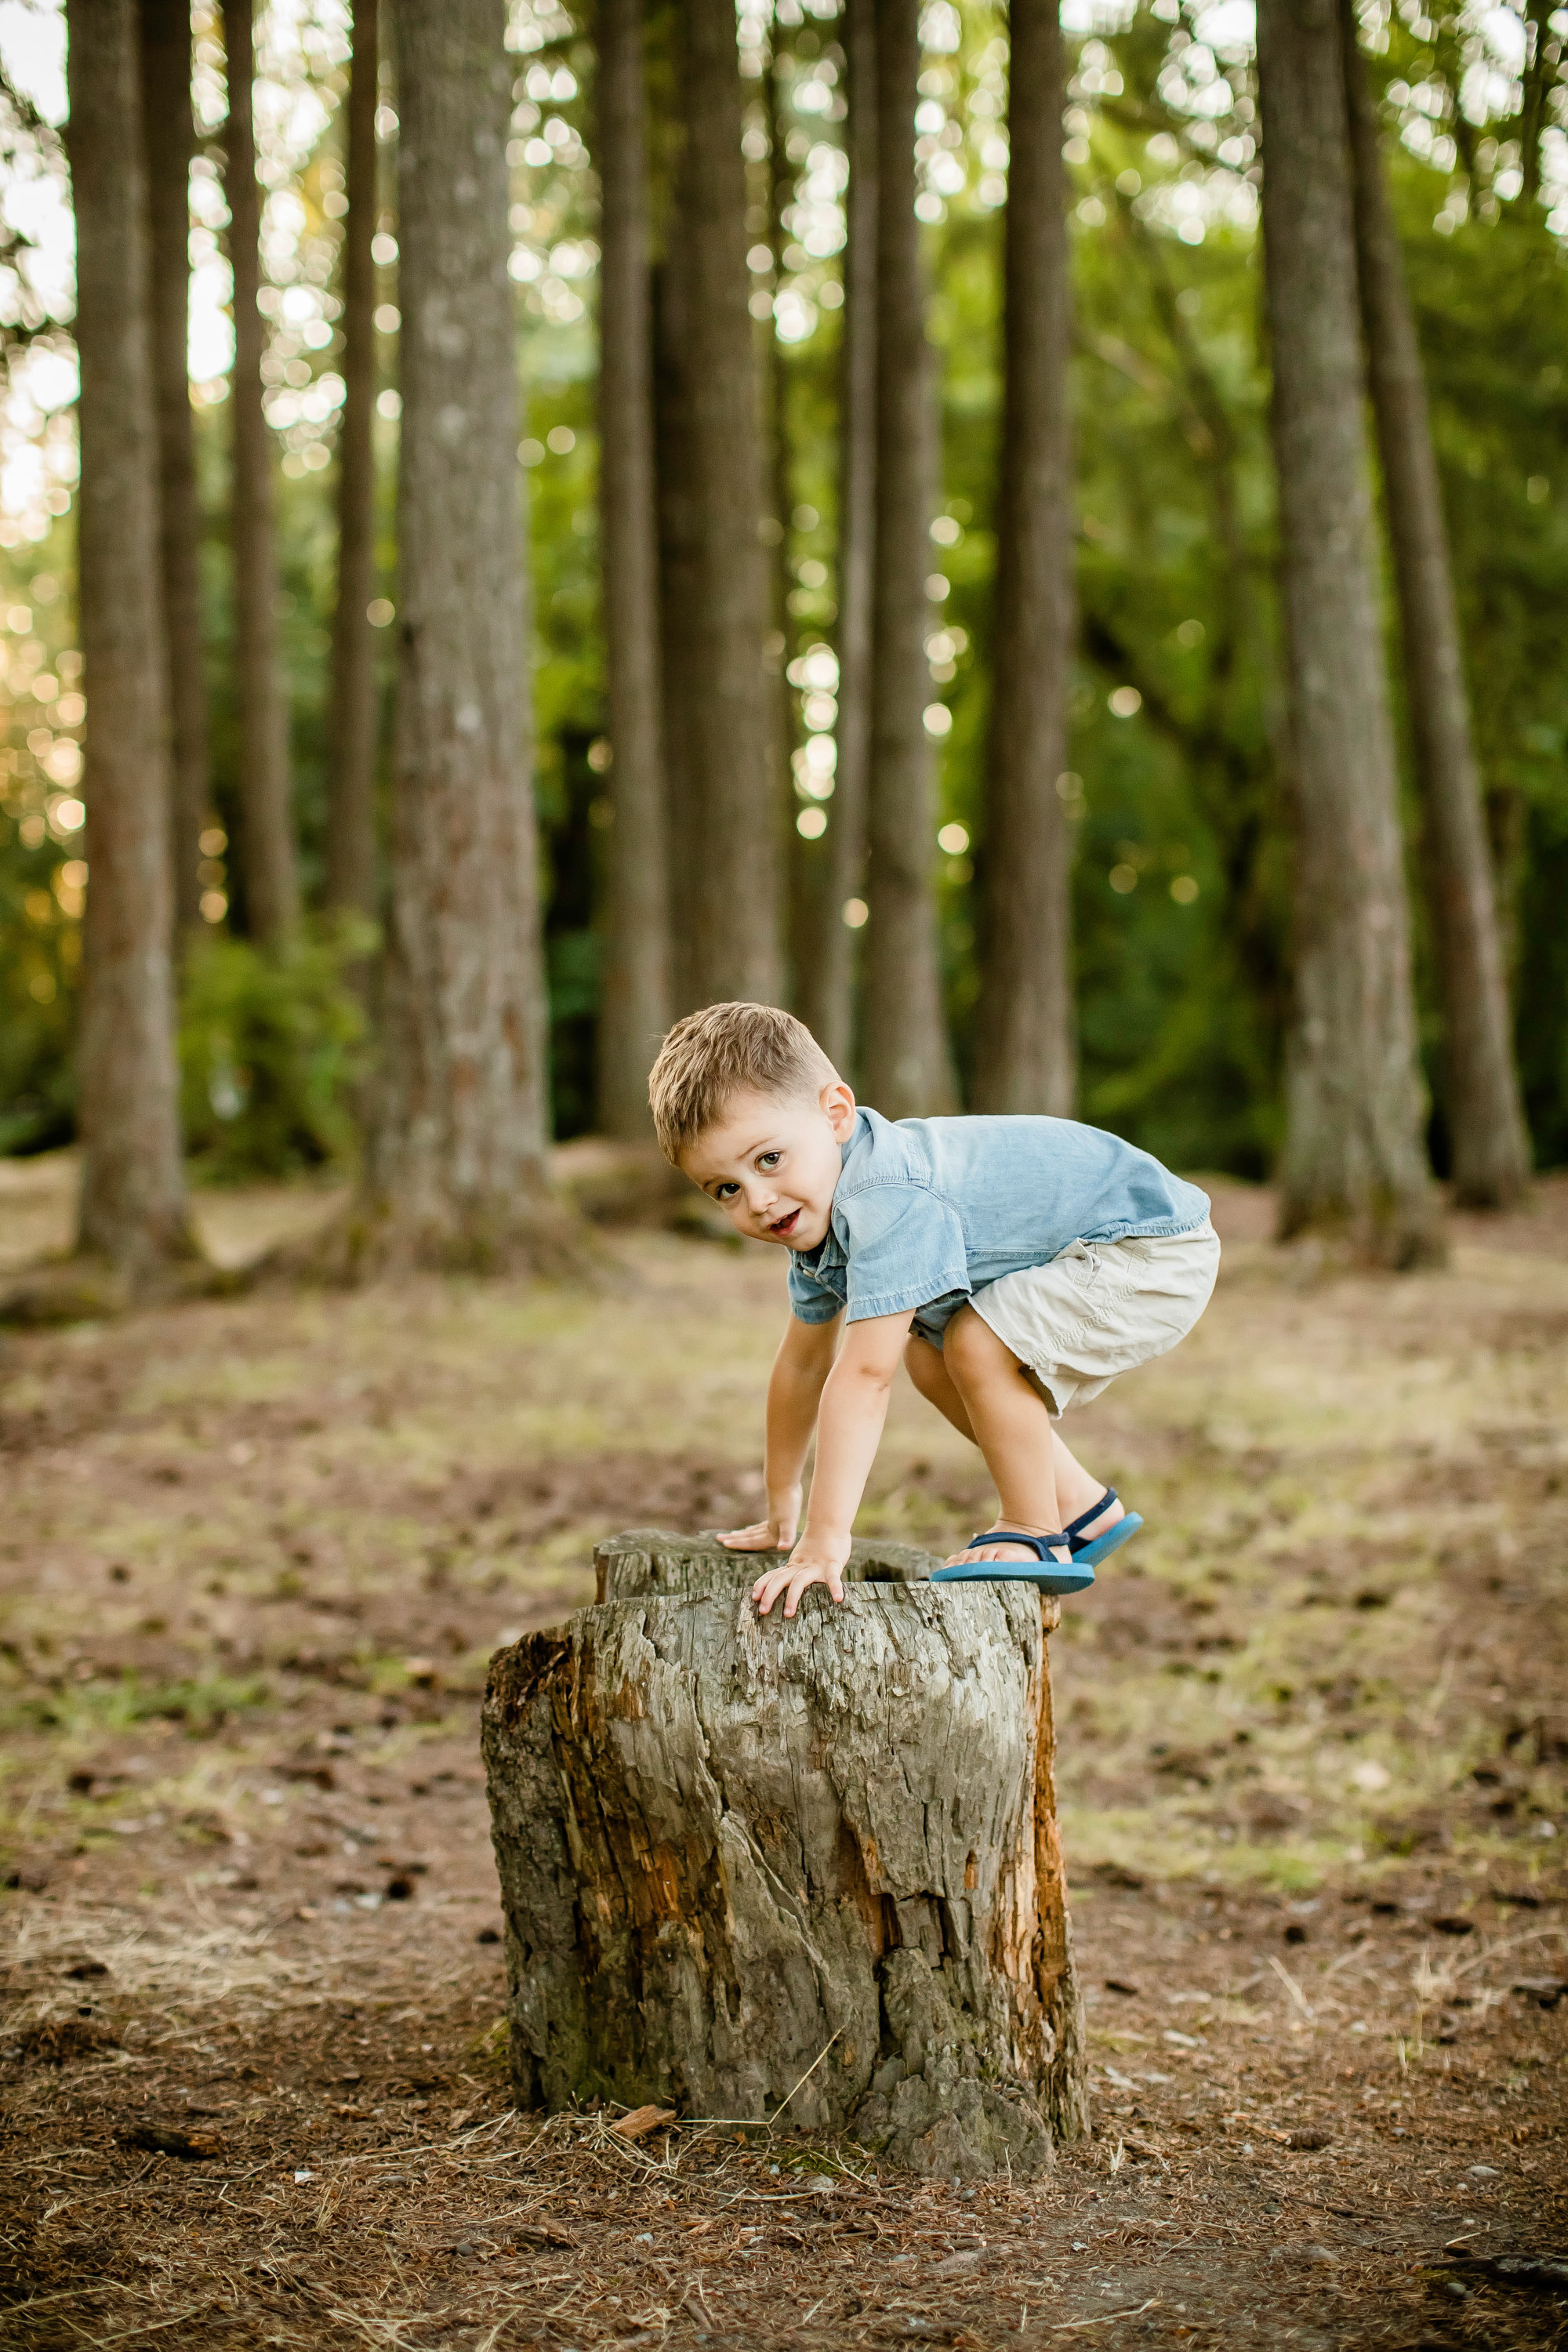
[772, 1163]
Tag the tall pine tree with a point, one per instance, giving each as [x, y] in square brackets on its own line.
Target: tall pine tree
[1481, 1098]
[457, 1167]
[168, 143]
[1024, 1052]
[907, 1064]
[267, 862]
[133, 1205]
[351, 792]
[1353, 1151]
[636, 1008]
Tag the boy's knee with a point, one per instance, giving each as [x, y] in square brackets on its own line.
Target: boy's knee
[923, 1362]
[971, 1347]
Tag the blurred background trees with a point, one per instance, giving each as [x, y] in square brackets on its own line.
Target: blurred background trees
[784, 739]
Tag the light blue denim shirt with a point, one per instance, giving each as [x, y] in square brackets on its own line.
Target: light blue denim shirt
[926, 1211]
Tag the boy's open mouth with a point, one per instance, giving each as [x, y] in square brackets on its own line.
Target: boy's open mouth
[784, 1226]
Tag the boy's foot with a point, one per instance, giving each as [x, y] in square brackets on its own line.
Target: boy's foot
[982, 1548]
[1095, 1518]
[1017, 1556]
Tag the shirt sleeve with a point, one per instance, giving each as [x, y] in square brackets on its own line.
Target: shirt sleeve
[810, 1301]
[905, 1247]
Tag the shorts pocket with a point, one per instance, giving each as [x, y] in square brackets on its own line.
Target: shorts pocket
[1081, 1263]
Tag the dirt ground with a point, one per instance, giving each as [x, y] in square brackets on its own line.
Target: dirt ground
[254, 1554]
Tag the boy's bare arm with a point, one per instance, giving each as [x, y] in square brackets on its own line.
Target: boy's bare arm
[794, 1390]
[853, 1408]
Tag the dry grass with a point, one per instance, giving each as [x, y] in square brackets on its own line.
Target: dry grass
[1314, 1736]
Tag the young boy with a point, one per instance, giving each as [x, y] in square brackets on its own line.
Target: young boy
[1015, 1265]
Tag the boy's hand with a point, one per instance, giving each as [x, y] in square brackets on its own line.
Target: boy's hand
[776, 1532]
[816, 1560]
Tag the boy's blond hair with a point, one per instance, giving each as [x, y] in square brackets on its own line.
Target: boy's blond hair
[725, 1051]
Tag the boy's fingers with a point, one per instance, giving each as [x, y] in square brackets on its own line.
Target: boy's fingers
[802, 1581]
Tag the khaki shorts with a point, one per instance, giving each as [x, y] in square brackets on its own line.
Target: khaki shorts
[1101, 1308]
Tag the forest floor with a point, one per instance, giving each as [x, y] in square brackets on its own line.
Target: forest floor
[254, 1555]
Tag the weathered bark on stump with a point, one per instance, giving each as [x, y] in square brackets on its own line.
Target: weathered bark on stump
[266, 863]
[909, 1070]
[636, 1010]
[1354, 1149]
[168, 142]
[133, 1204]
[351, 794]
[753, 1866]
[1485, 1116]
[1024, 1058]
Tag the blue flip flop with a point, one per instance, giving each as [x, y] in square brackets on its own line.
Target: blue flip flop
[1051, 1575]
[1090, 1550]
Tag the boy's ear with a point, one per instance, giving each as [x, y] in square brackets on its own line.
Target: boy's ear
[838, 1105]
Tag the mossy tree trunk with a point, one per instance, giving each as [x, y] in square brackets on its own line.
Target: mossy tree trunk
[809, 1869]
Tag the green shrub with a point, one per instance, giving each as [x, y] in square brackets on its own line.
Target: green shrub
[271, 1044]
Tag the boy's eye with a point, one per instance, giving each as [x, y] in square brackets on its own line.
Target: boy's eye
[725, 1191]
[769, 1161]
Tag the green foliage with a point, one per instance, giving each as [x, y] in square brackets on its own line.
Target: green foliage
[269, 1053]
[38, 963]
[1180, 812]
[1491, 300]
[40, 934]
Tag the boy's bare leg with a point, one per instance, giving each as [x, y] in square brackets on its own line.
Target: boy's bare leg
[982, 1388]
[927, 1368]
[1077, 1488]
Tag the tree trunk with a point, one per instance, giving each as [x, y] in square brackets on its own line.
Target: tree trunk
[351, 805]
[132, 1206]
[1024, 1050]
[908, 1069]
[635, 1007]
[1486, 1118]
[736, 875]
[826, 980]
[680, 680]
[718, 1897]
[267, 863]
[804, 861]
[456, 1171]
[168, 142]
[1353, 1149]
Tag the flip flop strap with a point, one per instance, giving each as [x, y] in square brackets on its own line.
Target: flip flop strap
[1041, 1546]
[1075, 1526]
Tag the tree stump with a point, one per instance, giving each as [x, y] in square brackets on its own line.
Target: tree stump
[755, 1869]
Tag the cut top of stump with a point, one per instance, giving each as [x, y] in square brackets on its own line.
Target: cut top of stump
[646, 1560]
